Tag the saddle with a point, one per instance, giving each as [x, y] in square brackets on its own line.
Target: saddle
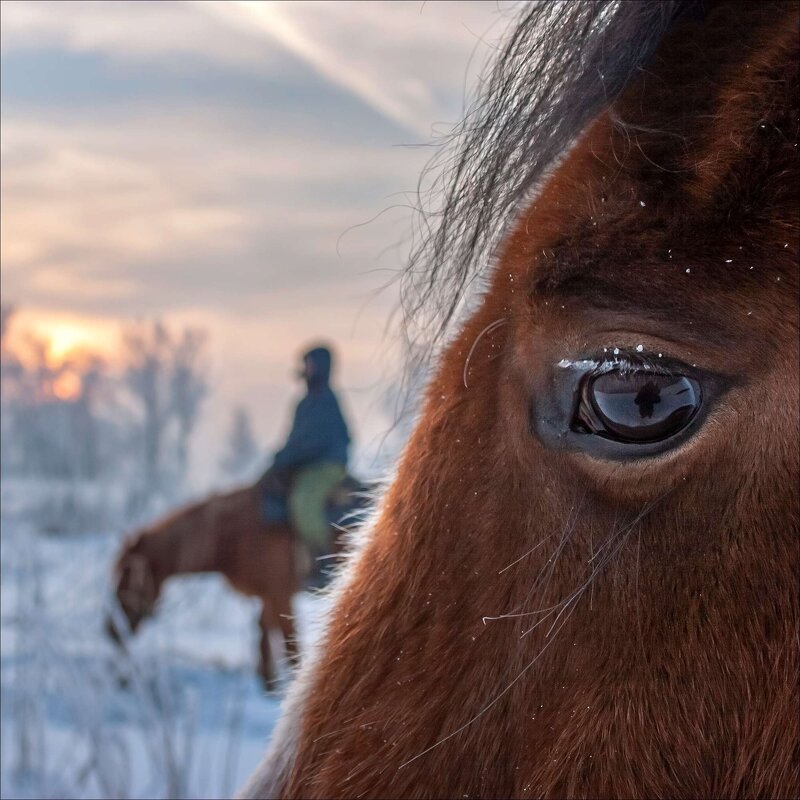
[349, 497]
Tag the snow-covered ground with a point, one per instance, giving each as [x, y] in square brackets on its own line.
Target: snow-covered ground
[182, 716]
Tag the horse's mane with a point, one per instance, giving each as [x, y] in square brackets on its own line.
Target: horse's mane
[153, 537]
[562, 64]
[163, 525]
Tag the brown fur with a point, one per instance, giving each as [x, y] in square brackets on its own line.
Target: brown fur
[672, 667]
[222, 534]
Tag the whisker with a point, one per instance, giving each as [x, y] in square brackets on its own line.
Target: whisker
[569, 527]
[572, 600]
[524, 555]
[490, 327]
[494, 701]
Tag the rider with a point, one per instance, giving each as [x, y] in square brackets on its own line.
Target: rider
[313, 461]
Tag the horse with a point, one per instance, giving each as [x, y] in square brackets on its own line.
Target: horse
[223, 533]
[583, 579]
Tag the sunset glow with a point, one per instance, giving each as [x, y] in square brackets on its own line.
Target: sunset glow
[229, 166]
[65, 336]
[67, 386]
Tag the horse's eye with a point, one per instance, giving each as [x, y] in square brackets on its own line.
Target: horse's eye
[639, 406]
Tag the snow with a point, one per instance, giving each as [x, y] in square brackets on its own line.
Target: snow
[584, 363]
[183, 715]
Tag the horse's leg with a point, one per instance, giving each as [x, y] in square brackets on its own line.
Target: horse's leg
[266, 666]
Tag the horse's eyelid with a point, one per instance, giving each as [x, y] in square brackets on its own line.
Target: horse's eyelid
[633, 363]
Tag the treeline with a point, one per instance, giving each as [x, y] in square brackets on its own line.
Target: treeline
[85, 418]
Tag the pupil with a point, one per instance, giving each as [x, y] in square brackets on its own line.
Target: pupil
[642, 407]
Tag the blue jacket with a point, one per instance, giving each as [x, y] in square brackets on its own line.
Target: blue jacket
[319, 432]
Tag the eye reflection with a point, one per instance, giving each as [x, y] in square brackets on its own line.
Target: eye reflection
[636, 406]
[646, 398]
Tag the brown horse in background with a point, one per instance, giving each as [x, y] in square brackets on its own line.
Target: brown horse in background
[225, 534]
[583, 581]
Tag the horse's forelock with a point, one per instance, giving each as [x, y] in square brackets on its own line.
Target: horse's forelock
[563, 63]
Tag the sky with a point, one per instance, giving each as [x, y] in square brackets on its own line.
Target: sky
[242, 166]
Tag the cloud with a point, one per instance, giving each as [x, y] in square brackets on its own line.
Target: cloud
[201, 162]
[404, 60]
[168, 211]
[142, 30]
[276, 21]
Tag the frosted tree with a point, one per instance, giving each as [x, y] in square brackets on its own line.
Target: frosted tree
[188, 388]
[242, 452]
[147, 356]
[90, 372]
[6, 313]
[40, 433]
[165, 377]
[10, 372]
[49, 411]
